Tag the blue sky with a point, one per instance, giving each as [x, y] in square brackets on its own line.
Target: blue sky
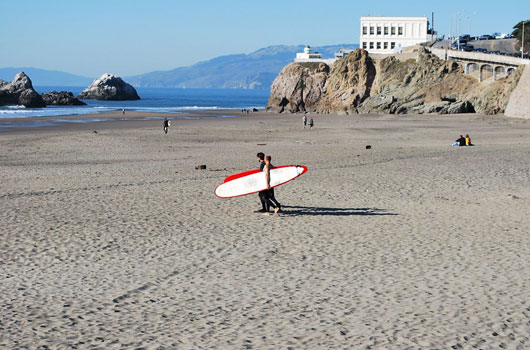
[129, 37]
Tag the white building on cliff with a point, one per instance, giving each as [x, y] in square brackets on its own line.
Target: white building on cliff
[309, 56]
[387, 35]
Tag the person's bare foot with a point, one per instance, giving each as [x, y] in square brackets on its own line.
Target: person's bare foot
[276, 210]
[266, 213]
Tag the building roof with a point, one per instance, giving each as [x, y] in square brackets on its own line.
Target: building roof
[394, 18]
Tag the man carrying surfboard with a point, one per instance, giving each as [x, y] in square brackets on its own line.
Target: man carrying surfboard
[267, 193]
[267, 169]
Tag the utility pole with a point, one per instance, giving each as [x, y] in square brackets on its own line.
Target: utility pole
[522, 43]
[457, 25]
[451, 28]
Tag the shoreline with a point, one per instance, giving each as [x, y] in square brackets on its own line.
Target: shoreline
[136, 119]
[108, 119]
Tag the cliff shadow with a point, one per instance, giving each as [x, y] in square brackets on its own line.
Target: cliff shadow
[291, 210]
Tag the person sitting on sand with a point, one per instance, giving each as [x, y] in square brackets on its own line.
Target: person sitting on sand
[468, 141]
[267, 170]
[166, 125]
[460, 142]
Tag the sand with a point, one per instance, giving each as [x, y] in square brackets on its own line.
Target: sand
[113, 240]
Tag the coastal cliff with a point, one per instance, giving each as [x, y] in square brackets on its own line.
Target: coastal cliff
[417, 83]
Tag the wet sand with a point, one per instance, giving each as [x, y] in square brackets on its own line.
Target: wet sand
[114, 240]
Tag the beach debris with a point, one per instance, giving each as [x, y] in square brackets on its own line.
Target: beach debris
[224, 169]
[368, 147]
[200, 167]
[95, 131]
[261, 144]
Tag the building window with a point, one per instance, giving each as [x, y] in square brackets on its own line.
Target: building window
[378, 30]
[378, 45]
[392, 45]
[393, 30]
[364, 45]
[371, 45]
[371, 30]
[386, 31]
[365, 30]
[400, 30]
[385, 45]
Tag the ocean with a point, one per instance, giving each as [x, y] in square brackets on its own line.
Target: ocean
[152, 100]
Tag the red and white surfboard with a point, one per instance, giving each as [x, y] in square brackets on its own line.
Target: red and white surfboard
[253, 181]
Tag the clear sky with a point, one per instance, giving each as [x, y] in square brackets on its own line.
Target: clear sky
[127, 37]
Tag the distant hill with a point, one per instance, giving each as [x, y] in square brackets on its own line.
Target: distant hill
[43, 77]
[256, 70]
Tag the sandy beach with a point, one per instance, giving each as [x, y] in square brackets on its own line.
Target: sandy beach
[113, 240]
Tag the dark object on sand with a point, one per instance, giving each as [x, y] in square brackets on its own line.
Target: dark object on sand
[201, 167]
[254, 109]
[95, 132]
[368, 147]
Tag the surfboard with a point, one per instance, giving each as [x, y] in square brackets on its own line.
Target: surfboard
[252, 181]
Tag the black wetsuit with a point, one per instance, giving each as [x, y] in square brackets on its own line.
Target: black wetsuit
[166, 125]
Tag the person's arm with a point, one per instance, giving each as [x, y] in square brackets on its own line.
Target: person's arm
[268, 176]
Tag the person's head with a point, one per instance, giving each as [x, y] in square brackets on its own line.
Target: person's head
[268, 159]
[261, 156]
[467, 136]
[461, 136]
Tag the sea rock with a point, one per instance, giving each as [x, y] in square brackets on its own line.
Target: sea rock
[20, 92]
[298, 86]
[415, 82]
[109, 87]
[61, 98]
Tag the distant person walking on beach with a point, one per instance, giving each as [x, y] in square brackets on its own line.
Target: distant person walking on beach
[304, 119]
[311, 124]
[267, 169]
[123, 111]
[266, 194]
[166, 125]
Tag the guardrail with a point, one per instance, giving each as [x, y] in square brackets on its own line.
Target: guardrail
[479, 57]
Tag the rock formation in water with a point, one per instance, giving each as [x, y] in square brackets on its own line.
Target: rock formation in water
[415, 83]
[109, 87]
[61, 98]
[20, 92]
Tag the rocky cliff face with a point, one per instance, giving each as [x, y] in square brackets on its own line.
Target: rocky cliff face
[20, 92]
[359, 84]
[109, 87]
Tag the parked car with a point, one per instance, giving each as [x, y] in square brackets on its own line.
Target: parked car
[485, 37]
[467, 48]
